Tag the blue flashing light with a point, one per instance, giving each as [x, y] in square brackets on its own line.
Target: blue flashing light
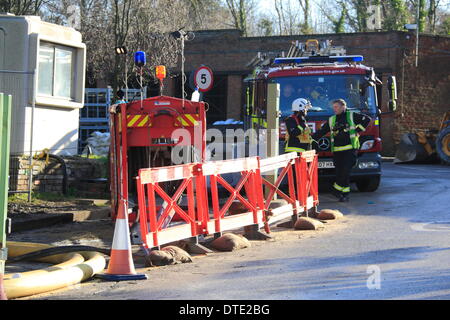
[139, 59]
[318, 59]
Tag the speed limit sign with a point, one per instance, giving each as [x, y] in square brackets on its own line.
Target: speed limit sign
[203, 79]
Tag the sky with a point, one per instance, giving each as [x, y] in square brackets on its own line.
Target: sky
[266, 5]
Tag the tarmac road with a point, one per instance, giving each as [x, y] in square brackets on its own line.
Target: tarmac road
[392, 244]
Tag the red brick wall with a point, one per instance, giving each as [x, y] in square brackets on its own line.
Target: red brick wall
[426, 89]
[48, 176]
[426, 94]
[234, 96]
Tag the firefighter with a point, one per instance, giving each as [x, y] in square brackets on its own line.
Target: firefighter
[298, 135]
[344, 128]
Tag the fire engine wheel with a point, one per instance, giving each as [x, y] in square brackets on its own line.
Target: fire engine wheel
[368, 184]
[443, 145]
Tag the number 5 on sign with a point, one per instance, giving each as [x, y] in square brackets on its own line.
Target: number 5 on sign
[203, 79]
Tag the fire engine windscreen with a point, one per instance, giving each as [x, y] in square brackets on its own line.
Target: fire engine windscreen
[322, 90]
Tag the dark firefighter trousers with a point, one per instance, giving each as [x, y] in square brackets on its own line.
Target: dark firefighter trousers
[343, 162]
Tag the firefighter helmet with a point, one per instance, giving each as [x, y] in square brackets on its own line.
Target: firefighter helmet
[301, 104]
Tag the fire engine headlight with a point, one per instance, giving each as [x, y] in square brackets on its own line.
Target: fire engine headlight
[368, 165]
[367, 145]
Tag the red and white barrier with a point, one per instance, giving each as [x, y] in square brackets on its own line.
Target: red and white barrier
[148, 188]
[287, 162]
[249, 169]
[204, 218]
[309, 180]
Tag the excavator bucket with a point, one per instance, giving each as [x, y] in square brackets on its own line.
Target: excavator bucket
[412, 150]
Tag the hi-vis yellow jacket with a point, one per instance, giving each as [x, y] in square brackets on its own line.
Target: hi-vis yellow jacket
[298, 135]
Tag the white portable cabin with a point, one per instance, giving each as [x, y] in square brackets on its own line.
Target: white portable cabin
[57, 57]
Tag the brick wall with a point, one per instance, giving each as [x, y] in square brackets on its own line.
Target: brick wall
[426, 89]
[48, 176]
[234, 96]
[426, 92]
[228, 52]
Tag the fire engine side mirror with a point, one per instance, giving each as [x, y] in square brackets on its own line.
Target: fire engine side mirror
[379, 112]
[392, 90]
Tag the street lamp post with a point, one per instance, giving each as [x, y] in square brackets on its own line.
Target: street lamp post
[182, 36]
[415, 27]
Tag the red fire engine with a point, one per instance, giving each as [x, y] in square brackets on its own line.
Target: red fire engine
[320, 73]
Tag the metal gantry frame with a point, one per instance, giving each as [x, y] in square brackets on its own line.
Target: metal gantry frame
[95, 116]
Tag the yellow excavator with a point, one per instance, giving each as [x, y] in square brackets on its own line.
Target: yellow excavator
[426, 146]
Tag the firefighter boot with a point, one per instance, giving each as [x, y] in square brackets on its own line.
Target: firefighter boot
[344, 198]
[336, 193]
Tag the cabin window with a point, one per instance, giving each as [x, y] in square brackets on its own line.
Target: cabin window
[56, 71]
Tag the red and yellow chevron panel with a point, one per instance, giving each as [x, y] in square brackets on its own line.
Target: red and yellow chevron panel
[188, 120]
[138, 121]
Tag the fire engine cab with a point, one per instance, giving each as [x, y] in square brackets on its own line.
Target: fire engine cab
[320, 73]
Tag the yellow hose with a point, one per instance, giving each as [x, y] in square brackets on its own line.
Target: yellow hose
[69, 269]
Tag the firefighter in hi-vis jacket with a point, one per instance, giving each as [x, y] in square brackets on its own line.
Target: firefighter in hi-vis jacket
[298, 135]
[344, 128]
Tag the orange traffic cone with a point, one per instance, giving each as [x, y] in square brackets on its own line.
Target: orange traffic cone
[121, 266]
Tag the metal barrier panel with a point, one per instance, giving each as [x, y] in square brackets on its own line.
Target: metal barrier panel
[309, 190]
[292, 208]
[154, 232]
[250, 181]
[197, 218]
[94, 116]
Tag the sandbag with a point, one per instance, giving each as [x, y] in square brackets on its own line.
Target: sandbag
[167, 256]
[159, 258]
[305, 223]
[329, 214]
[179, 255]
[230, 242]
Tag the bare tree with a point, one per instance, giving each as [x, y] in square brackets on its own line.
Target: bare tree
[443, 24]
[240, 10]
[338, 23]
[422, 15]
[21, 7]
[264, 26]
[288, 18]
[357, 14]
[137, 24]
[306, 26]
[207, 14]
[280, 15]
[121, 26]
[395, 14]
[432, 17]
